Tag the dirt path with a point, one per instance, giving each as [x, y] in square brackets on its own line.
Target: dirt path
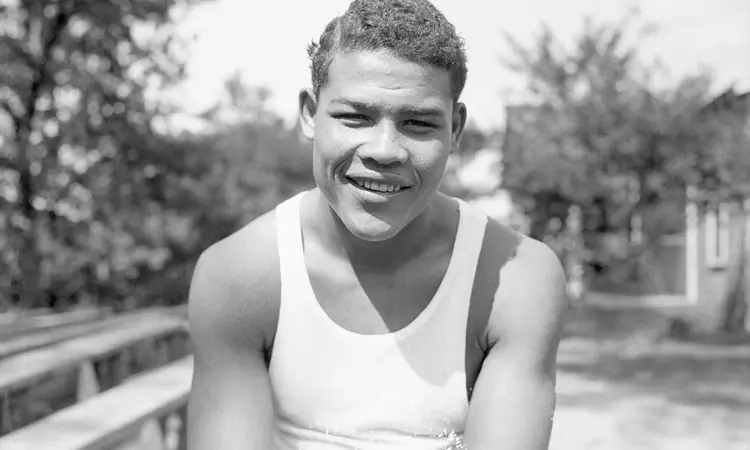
[630, 394]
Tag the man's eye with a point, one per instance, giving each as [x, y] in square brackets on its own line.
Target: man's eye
[420, 124]
[351, 118]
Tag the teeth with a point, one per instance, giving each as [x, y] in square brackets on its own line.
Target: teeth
[380, 187]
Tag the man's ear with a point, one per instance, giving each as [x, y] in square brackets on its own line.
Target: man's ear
[307, 108]
[458, 124]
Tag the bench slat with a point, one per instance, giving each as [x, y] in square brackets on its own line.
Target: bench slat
[112, 416]
[33, 341]
[21, 324]
[24, 369]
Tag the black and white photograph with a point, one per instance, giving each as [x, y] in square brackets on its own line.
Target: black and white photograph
[374, 225]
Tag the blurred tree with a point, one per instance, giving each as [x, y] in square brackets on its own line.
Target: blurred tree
[479, 147]
[597, 134]
[265, 161]
[80, 162]
[248, 161]
[473, 140]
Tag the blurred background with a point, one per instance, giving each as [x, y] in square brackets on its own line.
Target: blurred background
[134, 134]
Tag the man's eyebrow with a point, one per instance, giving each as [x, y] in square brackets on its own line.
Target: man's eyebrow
[427, 111]
[354, 104]
[408, 110]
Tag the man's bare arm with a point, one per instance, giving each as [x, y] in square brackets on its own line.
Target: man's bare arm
[230, 310]
[514, 397]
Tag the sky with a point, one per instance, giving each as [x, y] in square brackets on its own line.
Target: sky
[266, 44]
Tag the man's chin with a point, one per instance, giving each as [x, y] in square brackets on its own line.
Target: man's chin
[367, 221]
[371, 229]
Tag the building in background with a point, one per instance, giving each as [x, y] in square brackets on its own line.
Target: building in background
[690, 262]
[716, 233]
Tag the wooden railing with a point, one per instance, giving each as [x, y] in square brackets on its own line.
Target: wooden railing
[146, 412]
[112, 408]
[14, 325]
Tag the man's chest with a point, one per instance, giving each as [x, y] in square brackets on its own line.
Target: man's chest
[368, 302]
[380, 301]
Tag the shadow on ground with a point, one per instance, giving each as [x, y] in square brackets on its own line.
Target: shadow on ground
[622, 384]
[627, 349]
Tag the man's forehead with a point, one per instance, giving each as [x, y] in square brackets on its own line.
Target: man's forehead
[380, 80]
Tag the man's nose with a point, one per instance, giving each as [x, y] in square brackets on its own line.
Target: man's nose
[385, 147]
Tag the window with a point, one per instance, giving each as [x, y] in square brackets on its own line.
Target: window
[717, 236]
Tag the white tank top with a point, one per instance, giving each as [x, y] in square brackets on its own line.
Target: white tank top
[337, 389]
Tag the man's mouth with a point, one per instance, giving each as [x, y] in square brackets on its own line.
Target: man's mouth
[377, 186]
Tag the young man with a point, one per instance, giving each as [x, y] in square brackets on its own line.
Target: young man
[374, 312]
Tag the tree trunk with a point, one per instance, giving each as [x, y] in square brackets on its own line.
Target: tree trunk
[574, 254]
[30, 289]
[736, 302]
[42, 37]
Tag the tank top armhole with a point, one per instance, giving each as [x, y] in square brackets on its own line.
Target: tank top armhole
[288, 240]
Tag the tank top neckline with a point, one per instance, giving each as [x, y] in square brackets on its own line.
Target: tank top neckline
[313, 304]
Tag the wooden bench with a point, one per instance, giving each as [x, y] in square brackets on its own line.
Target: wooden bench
[24, 324]
[23, 371]
[11, 315]
[113, 418]
[23, 342]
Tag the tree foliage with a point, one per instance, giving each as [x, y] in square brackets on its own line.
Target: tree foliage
[79, 150]
[598, 133]
[99, 204]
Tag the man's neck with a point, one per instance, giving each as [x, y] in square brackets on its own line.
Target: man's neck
[410, 242]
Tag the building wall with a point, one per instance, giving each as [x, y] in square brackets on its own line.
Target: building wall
[718, 247]
[662, 269]
[702, 256]
[670, 266]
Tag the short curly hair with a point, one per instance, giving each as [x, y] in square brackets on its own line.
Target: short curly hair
[413, 30]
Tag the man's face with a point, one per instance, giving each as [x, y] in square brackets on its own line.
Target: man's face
[383, 129]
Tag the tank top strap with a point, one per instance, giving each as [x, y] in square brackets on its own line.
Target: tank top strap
[289, 237]
[469, 239]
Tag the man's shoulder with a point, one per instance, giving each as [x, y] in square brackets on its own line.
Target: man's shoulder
[522, 255]
[236, 281]
[530, 282]
[535, 259]
[248, 252]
